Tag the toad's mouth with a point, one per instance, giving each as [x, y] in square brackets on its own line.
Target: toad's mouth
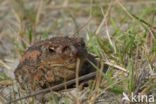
[65, 65]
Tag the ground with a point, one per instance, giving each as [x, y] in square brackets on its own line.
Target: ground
[121, 33]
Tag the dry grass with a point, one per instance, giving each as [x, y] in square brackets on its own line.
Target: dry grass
[121, 35]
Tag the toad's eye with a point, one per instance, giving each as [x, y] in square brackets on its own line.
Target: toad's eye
[52, 49]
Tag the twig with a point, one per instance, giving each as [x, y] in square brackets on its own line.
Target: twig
[38, 15]
[132, 15]
[6, 83]
[104, 18]
[78, 30]
[141, 20]
[85, 77]
[116, 66]
[5, 65]
[2, 99]
[77, 79]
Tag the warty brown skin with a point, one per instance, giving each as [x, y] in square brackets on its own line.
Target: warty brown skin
[50, 62]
